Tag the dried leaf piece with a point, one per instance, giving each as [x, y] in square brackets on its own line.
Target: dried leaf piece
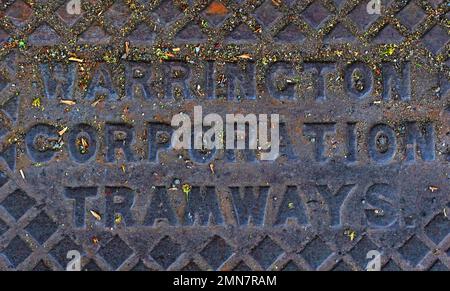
[277, 2]
[351, 234]
[67, 102]
[36, 102]
[95, 240]
[96, 215]
[83, 145]
[75, 59]
[127, 47]
[63, 131]
[245, 56]
[433, 188]
[95, 103]
[84, 142]
[186, 190]
[118, 218]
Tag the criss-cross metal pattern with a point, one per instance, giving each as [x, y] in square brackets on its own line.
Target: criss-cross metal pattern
[114, 22]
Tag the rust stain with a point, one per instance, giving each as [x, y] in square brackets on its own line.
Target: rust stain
[217, 8]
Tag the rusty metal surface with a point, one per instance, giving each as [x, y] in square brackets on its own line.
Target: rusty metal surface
[86, 107]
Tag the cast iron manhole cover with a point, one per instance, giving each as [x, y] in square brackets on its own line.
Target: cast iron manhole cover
[102, 158]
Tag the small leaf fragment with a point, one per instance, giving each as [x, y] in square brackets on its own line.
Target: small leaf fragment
[96, 215]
